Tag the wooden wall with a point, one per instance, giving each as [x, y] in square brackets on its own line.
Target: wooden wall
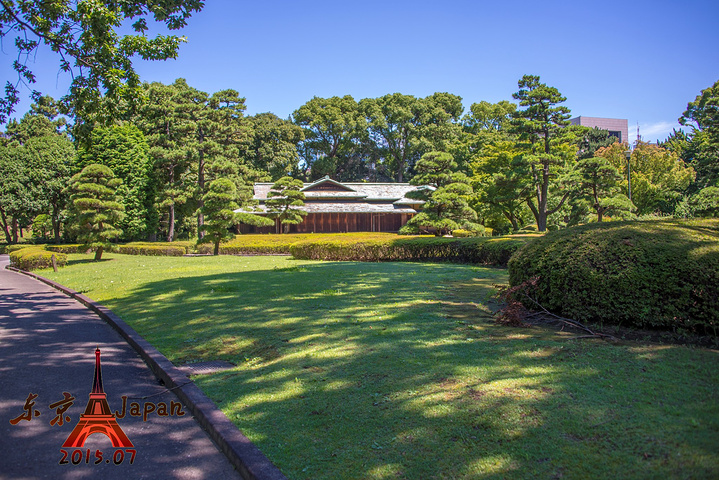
[341, 222]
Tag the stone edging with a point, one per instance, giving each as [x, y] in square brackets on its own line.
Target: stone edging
[243, 454]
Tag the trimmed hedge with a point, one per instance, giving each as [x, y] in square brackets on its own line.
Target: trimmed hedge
[18, 246]
[234, 249]
[485, 251]
[68, 248]
[35, 257]
[647, 274]
[151, 249]
[254, 244]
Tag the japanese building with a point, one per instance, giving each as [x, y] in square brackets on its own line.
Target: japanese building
[334, 207]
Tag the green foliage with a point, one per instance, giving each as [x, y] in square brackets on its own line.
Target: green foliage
[706, 202]
[589, 140]
[503, 182]
[541, 124]
[482, 251]
[284, 202]
[333, 127]
[96, 212]
[35, 257]
[218, 208]
[151, 249]
[68, 248]
[481, 231]
[658, 176]
[446, 202]
[402, 128]
[701, 148]
[166, 121]
[391, 370]
[124, 150]
[662, 274]
[599, 184]
[85, 38]
[271, 145]
[41, 225]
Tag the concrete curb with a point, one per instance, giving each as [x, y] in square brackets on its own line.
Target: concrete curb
[243, 454]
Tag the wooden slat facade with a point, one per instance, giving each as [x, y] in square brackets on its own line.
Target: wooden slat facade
[336, 222]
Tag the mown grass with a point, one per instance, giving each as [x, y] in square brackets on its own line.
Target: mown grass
[395, 370]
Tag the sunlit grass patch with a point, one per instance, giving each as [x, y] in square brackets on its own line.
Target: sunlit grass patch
[358, 370]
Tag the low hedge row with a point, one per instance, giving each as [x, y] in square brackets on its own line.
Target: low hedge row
[35, 257]
[67, 248]
[485, 251]
[254, 244]
[661, 274]
[164, 249]
[230, 249]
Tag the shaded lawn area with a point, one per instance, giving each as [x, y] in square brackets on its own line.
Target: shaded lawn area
[395, 370]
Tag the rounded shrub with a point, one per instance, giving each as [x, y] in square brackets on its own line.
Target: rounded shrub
[647, 274]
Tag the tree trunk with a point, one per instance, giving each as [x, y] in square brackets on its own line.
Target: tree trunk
[98, 253]
[542, 200]
[14, 230]
[56, 223]
[201, 189]
[512, 219]
[217, 248]
[5, 229]
[171, 223]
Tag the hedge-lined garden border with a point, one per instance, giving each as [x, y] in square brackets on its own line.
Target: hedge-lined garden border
[484, 251]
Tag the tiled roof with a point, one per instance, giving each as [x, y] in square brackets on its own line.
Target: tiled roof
[356, 197]
[389, 191]
[348, 207]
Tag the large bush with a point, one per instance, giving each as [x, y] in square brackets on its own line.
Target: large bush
[35, 257]
[486, 251]
[647, 274]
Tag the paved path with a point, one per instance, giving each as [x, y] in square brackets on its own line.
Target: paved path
[47, 344]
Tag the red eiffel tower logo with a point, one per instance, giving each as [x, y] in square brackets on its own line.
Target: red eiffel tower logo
[97, 417]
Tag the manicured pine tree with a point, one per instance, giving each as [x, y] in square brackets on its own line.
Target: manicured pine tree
[96, 211]
[283, 202]
[218, 209]
[446, 206]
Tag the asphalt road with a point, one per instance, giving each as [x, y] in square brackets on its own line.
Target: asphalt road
[47, 345]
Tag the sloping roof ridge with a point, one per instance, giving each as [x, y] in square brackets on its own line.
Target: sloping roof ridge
[376, 183]
[325, 179]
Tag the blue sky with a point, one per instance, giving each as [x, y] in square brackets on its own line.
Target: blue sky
[639, 60]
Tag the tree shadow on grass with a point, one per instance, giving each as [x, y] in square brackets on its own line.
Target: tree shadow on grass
[351, 370]
[83, 261]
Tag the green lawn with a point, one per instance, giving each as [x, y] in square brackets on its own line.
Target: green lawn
[395, 370]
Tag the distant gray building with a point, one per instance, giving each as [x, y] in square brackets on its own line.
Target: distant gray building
[617, 127]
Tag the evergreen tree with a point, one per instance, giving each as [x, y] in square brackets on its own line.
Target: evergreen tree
[124, 150]
[541, 124]
[218, 208]
[284, 201]
[446, 195]
[96, 211]
[599, 183]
